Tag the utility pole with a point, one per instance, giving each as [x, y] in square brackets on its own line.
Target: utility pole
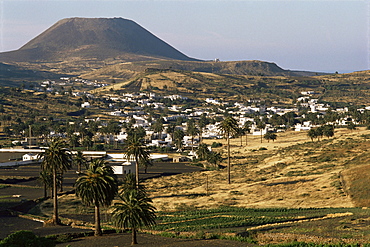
[30, 137]
[207, 184]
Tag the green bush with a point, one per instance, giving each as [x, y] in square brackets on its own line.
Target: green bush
[26, 239]
[64, 238]
[99, 147]
[216, 144]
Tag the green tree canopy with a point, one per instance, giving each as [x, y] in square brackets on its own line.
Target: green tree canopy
[135, 149]
[97, 187]
[134, 211]
[228, 128]
[56, 159]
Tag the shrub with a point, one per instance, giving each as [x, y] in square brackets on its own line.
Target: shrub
[99, 147]
[26, 238]
[64, 238]
[216, 144]
[197, 164]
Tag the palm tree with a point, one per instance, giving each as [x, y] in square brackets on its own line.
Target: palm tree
[56, 159]
[202, 123]
[214, 158]
[46, 178]
[270, 136]
[79, 160]
[312, 134]
[241, 133]
[135, 211]
[178, 136]
[192, 130]
[158, 127]
[328, 130]
[171, 130]
[145, 163]
[247, 129]
[74, 140]
[228, 128]
[203, 151]
[136, 150]
[261, 125]
[129, 183]
[351, 126]
[315, 133]
[97, 187]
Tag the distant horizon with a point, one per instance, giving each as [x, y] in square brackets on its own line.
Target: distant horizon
[208, 60]
[320, 36]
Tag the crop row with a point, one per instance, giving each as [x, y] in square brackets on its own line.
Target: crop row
[251, 212]
[226, 217]
[218, 222]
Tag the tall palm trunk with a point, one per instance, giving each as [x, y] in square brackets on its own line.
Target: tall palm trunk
[261, 135]
[133, 236]
[55, 198]
[200, 135]
[192, 145]
[98, 231]
[61, 183]
[45, 191]
[137, 169]
[228, 159]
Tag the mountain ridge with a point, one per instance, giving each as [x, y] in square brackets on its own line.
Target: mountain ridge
[116, 48]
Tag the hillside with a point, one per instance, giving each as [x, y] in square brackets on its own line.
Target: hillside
[291, 172]
[338, 89]
[16, 75]
[253, 67]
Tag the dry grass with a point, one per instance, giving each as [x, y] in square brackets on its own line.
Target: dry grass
[293, 172]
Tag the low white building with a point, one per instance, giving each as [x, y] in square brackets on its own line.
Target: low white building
[30, 156]
[85, 105]
[128, 167]
[307, 125]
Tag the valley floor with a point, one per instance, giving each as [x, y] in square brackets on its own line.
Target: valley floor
[292, 172]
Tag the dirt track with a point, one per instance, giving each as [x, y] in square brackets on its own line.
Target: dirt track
[121, 240]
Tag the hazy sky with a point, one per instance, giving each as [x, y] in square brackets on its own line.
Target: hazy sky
[311, 35]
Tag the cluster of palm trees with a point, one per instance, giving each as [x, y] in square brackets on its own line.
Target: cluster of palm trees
[319, 132]
[270, 136]
[98, 186]
[204, 153]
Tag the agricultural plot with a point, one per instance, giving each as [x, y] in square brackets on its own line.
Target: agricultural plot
[253, 225]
